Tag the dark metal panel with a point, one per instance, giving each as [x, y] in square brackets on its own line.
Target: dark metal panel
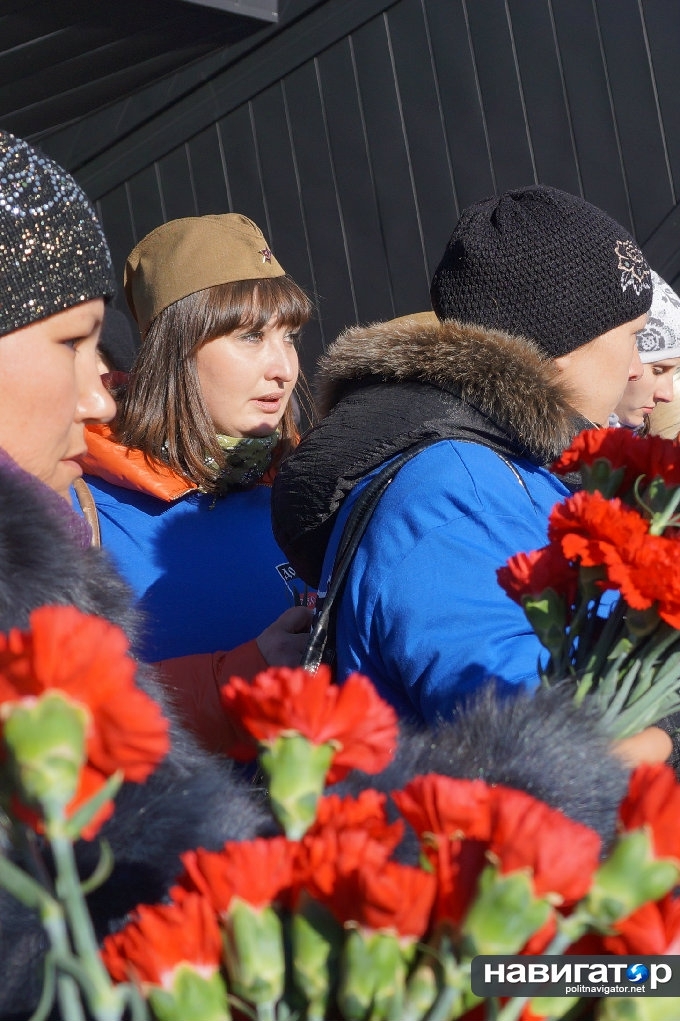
[420, 110]
[286, 227]
[663, 247]
[60, 61]
[592, 118]
[325, 236]
[502, 99]
[265, 9]
[404, 242]
[354, 140]
[354, 185]
[542, 87]
[640, 131]
[176, 185]
[463, 116]
[661, 32]
[283, 51]
[114, 210]
[208, 172]
[242, 166]
[146, 204]
[93, 134]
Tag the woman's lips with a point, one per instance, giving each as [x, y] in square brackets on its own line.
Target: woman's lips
[271, 402]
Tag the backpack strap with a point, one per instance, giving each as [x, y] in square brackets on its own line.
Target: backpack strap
[323, 628]
[321, 644]
[89, 509]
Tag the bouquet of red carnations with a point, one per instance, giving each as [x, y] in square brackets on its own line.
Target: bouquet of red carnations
[328, 920]
[604, 595]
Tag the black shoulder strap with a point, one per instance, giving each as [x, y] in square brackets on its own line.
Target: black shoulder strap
[323, 629]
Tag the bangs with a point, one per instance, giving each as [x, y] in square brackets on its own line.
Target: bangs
[252, 303]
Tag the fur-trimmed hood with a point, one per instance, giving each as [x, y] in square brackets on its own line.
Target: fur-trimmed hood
[383, 388]
[507, 379]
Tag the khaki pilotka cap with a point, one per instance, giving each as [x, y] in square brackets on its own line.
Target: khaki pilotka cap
[184, 256]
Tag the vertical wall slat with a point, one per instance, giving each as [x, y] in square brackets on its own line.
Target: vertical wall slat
[208, 173]
[390, 166]
[355, 187]
[546, 108]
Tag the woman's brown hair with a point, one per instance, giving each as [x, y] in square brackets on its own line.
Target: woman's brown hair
[161, 410]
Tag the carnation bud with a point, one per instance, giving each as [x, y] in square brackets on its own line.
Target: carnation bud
[191, 997]
[641, 623]
[296, 771]
[547, 615]
[45, 741]
[602, 477]
[316, 941]
[504, 914]
[631, 876]
[422, 989]
[373, 976]
[253, 952]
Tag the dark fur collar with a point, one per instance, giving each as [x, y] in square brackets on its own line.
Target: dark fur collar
[507, 379]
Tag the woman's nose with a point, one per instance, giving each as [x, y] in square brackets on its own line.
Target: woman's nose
[96, 403]
[283, 362]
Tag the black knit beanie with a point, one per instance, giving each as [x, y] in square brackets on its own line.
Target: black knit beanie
[53, 253]
[543, 264]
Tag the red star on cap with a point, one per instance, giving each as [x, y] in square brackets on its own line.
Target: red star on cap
[266, 254]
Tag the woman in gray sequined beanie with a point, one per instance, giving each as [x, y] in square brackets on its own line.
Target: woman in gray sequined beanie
[55, 276]
[53, 253]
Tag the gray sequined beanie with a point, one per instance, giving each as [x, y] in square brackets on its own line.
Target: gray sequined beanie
[541, 263]
[53, 253]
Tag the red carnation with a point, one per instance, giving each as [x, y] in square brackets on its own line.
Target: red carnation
[391, 897]
[531, 574]
[653, 929]
[352, 717]
[87, 658]
[653, 802]
[347, 833]
[596, 531]
[528, 834]
[161, 938]
[648, 456]
[258, 872]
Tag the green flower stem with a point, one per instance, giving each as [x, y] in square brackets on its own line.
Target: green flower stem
[558, 669]
[266, 1011]
[46, 1001]
[68, 994]
[575, 927]
[581, 627]
[105, 1000]
[602, 650]
[23, 887]
[450, 1002]
[662, 519]
[627, 678]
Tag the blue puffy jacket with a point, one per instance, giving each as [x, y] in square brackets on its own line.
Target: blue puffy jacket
[422, 613]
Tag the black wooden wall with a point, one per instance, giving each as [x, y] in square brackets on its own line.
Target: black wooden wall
[355, 134]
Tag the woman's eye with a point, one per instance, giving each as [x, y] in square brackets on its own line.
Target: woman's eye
[293, 338]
